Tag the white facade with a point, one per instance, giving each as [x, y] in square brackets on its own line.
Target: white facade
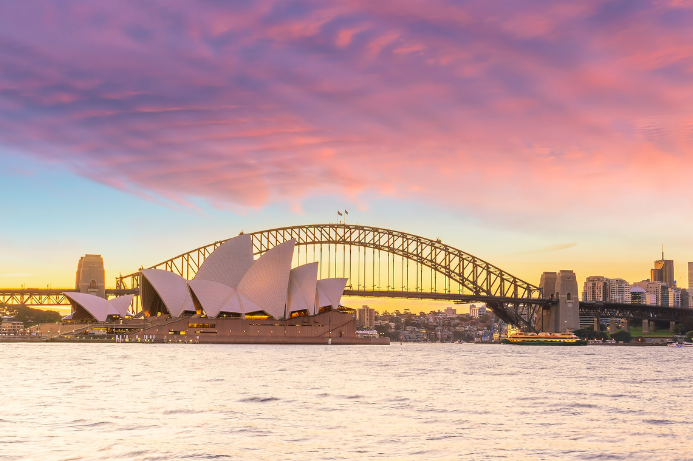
[329, 292]
[266, 283]
[122, 305]
[98, 307]
[228, 263]
[231, 282]
[302, 285]
[215, 297]
[172, 289]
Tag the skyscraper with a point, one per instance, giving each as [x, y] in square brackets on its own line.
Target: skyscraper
[690, 276]
[663, 271]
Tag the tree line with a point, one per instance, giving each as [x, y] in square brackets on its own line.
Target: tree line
[30, 316]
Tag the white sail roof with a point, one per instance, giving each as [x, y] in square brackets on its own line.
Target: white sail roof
[267, 281]
[228, 263]
[247, 304]
[96, 306]
[122, 304]
[302, 285]
[211, 295]
[232, 304]
[329, 292]
[172, 289]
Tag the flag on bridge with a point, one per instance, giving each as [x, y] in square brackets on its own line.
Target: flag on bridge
[339, 213]
[346, 212]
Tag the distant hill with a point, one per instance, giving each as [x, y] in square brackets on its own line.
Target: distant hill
[30, 316]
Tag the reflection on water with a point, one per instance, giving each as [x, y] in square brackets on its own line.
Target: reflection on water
[443, 401]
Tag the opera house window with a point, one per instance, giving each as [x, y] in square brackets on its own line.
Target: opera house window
[202, 325]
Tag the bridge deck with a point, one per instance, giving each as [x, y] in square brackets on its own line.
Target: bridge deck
[55, 297]
[452, 297]
[49, 296]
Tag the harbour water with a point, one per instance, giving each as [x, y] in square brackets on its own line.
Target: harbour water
[411, 401]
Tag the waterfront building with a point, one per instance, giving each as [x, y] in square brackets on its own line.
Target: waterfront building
[230, 283]
[596, 288]
[11, 327]
[365, 318]
[88, 307]
[91, 277]
[619, 291]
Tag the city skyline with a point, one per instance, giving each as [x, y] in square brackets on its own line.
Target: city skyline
[506, 132]
[299, 229]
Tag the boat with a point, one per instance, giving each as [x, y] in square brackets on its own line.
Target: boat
[672, 343]
[544, 339]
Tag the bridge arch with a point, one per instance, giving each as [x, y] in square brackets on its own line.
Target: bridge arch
[473, 275]
[464, 276]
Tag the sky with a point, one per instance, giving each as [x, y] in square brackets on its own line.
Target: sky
[536, 135]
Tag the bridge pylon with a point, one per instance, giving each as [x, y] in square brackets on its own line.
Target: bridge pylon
[564, 315]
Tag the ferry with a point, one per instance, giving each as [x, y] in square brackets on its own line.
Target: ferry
[544, 339]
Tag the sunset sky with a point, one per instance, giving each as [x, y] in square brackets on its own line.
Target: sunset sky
[535, 135]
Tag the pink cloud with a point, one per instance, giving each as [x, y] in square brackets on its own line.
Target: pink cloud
[490, 108]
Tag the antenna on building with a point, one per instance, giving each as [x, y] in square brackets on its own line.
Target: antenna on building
[662, 252]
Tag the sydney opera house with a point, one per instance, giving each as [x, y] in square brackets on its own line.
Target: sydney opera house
[232, 298]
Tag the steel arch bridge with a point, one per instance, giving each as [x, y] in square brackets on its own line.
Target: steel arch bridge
[386, 263]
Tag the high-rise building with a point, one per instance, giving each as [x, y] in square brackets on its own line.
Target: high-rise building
[596, 288]
[656, 275]
[663, 271]
[619, 291]
[365, 317]
[690, 277]
[676, 297]
[450, 311]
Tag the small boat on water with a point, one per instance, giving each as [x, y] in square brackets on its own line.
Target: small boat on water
[544, 339]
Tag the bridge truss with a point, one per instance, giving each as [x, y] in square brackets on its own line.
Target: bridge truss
[43, 297]
[634, 311]
[388, 262]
